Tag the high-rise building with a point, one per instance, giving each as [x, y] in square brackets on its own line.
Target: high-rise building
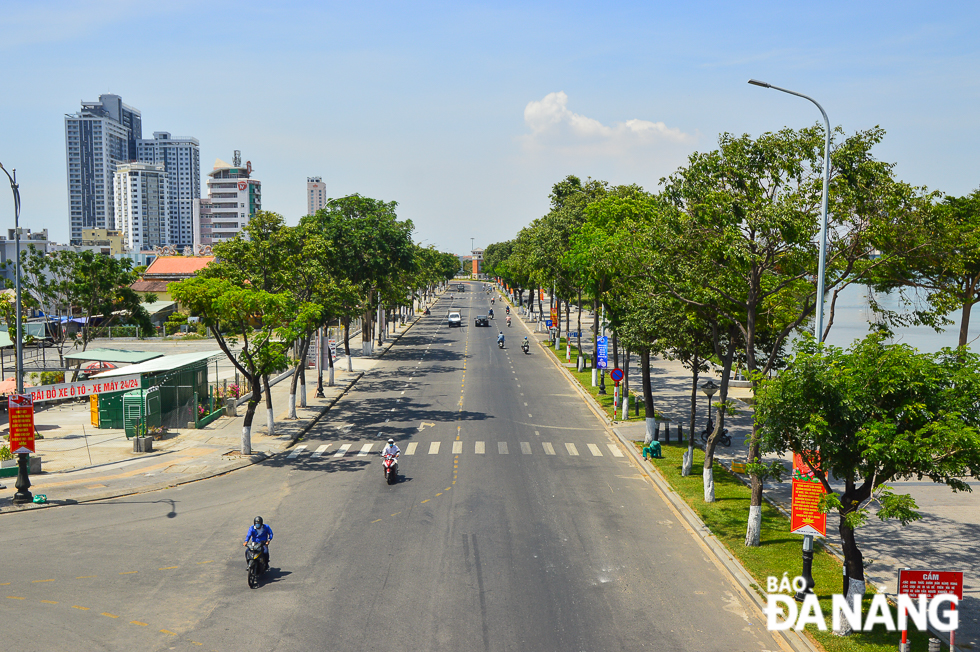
[316, 194]
[233, 198]
[142, 205]
[181, 158]
[97, 138]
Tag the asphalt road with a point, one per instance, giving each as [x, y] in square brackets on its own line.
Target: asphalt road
[517, 524]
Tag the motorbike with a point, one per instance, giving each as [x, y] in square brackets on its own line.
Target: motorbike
[426, 311]
[508, 310]
[500, 344]
[490, 314]
[724, 439]
[525, 347]
[508, 322]
[257, 566]
[391, 469]
[491, 301]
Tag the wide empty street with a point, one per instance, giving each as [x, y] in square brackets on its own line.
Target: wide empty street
[517, 523]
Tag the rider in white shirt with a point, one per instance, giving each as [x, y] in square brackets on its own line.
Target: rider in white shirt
[392, 449]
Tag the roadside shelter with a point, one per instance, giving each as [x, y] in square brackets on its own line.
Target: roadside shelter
[182, 380]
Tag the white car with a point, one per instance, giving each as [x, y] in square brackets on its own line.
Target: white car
[454, 319]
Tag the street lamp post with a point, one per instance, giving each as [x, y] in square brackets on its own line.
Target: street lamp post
[818, 328]
[23, 482]
[709, 388]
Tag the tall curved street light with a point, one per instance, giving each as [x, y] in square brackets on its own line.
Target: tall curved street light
[23, 482]
[818, 330]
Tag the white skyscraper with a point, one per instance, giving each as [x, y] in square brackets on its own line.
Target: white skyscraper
[142, 205]
[181, 158]
[233, 198]
[97, 138]
[316, 194]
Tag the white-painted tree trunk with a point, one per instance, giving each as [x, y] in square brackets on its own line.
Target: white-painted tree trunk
[270, 420]
[688, 461]
[246, 440]
[709, 485]
[302, 395]
[594, 373]
[651, 425]
[292, 406]
[626, 408]
[754, 527]
[330, 377]
[350, 363]
[854, 587]
[367, 348]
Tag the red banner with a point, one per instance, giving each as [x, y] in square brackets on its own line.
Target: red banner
[21, 411]
[806, 517]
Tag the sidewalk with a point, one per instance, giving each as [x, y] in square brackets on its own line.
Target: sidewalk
[69, 477]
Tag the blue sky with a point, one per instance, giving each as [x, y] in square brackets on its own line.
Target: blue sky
[467, 113]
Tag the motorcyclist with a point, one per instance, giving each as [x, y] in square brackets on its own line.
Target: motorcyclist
[491, 301]
[490, 314]
[508, 321]
[261, 533]
[500, 337]
[525, 344]
[393, 450]
[507, 309]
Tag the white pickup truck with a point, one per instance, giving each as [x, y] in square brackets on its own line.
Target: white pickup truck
[454, 319]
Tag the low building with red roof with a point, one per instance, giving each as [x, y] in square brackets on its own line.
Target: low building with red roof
[168, 269]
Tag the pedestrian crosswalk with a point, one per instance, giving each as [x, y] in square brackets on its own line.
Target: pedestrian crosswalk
[457, 447]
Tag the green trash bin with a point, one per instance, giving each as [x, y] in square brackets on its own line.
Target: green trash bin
[141, 407]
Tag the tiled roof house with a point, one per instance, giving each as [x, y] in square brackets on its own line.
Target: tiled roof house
[167, 269]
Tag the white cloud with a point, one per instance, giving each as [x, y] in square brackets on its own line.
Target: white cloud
[554, 127]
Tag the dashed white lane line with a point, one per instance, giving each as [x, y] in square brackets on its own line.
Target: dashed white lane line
[365, 449]
[296, 452]
[410, 449]
[529, 416]
[321, 450]
[571, 449]
[434, 448]
[457, 447]
[526, 447]
[343, 449]
[502, 447]
[548, 448]
[537, 434]
[614, 449]
[481, 448]
[525, 403]
[594, 450]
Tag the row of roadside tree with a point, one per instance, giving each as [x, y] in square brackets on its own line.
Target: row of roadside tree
[719, 266]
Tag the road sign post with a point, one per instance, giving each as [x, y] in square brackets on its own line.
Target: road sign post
[929, 584]
[20, 408]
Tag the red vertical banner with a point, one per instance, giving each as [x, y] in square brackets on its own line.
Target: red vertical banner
[806, 517]
[21, 411]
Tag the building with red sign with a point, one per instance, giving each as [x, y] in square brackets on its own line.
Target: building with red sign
[233, 198]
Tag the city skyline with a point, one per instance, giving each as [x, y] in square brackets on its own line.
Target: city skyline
[467, 115]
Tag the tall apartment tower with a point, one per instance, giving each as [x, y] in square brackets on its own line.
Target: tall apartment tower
[316, 194]
[233, 198]
[181, 159]
[97, 138]
[142, 205]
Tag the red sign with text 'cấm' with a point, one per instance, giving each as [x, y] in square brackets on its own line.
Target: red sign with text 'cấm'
[20, 408]
[806, 517]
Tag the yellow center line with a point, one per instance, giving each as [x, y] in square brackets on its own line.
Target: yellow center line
[205, 562]
[38, 581]
[108, 615]
[136, 622]
[75, 606]
[439, 494]
[196, 643]
[49, 601]
[167, 631]
[378, 521]
[396, 513]
[128, 572]
[168, 568]
[5, 584]
[14, 597]
[423, 502]
[448, 488]
[85, 577]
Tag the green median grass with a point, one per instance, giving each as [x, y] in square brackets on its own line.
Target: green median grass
[780, 551]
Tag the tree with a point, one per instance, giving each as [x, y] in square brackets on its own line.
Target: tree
[869, 415]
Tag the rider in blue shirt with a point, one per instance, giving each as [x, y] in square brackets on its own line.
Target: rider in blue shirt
[260, 533]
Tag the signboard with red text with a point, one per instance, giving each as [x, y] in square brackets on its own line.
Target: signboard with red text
[20, 408]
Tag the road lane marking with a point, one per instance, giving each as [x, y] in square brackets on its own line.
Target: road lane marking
[537, 434]
[15, 597]
[434, 448]
[136, 622]
[321, 450]
[38, 581]
[108, 615]
[594, 450]
[426, 500]
[167, 631]
[548, 448]
[526, 447]
[168, 568]
[296, 452]
[480, 448]
[457, 447]
[410, 450]
[525, 403]
[343, 449]
[571, 449]
[529, 416]
[85, 577]
[128, 572]
[614, 449]
[198, 563]
[49, 601]
[75, 606]
[365, 449]
[502, 447]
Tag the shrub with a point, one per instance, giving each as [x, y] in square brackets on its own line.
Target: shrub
[5, 453]
[52, 377]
